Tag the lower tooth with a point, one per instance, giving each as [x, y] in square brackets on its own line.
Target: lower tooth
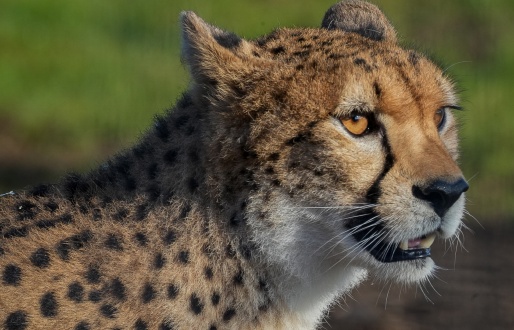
[404, 245]
[427, 242]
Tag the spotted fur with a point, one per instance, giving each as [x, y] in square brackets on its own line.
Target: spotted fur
[249, 205]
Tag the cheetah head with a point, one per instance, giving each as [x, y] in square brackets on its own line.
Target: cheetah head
[342, 143]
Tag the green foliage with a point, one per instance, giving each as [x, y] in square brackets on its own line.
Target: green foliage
[79, 79]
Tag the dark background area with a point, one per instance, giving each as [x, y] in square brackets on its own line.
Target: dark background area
[82, 79]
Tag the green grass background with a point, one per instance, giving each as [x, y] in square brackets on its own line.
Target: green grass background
[81, 79]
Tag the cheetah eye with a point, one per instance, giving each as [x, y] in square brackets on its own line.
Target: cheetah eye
[357, 124]
[439, 118]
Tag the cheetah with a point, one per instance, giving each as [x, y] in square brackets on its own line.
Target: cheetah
[295, 166]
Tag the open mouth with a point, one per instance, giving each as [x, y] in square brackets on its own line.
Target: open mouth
[411, 249]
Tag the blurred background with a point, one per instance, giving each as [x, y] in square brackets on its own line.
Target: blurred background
[82, 79]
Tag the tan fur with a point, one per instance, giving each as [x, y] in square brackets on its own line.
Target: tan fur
[237, 209]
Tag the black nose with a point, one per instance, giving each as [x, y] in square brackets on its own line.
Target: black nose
[441, 194]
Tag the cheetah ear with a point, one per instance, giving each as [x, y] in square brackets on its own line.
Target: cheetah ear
[213, 56]
[360, 17]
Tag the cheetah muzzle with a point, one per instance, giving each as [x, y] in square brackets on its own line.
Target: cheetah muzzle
[294, 166]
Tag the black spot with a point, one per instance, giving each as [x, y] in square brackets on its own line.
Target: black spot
[208, 273]
[120, 214]
[74, 184]
[141, 325]
[299, 138]
[231, 252]
[130, 184]
[193, 156]
[172, 291]
[16, 321]
[302, 54]
[108, 311]
[170, 237]
[95, 296]
[359, 61]
[235, 220]
[142, 211]
[46, 224]
[2, 251]
[181, 121]
[48, 305]
[215, 299]
[166, 326]
[276, 183]
[16, 232]
[171, 156]
[249, 154]
[190, 130]
[229, 314]
[246, 251]
[300, 67]
[413, 58]
[186, 208]
[106, 200]
[80, 240]
[65, 218]
[195, 304]
[76, 292]
[269, 170]
[40, 258]
[51, 206]
[82, 326]
[97, 214]
[83, 209]
[183, 256]
[377, 89]
[93, 275]
[263, 286]
[154, 192]
[141, 239]
[113, 242]
[159, 261]
[228, 40]
[213, 327]
[264, 307]
[238, 278]
[192, 183]
[277, 50]
[123, 164]
[143, 149]
[12, 275]
[161, 129]
[148, 293]
[274, 156]
[117, 289]
[63, 249]
[26, 210]
[152, 171]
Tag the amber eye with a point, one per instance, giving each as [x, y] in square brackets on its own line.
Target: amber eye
[439, 117]
[356, 124]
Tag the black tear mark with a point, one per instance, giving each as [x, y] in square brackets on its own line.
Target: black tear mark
[373, 192]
